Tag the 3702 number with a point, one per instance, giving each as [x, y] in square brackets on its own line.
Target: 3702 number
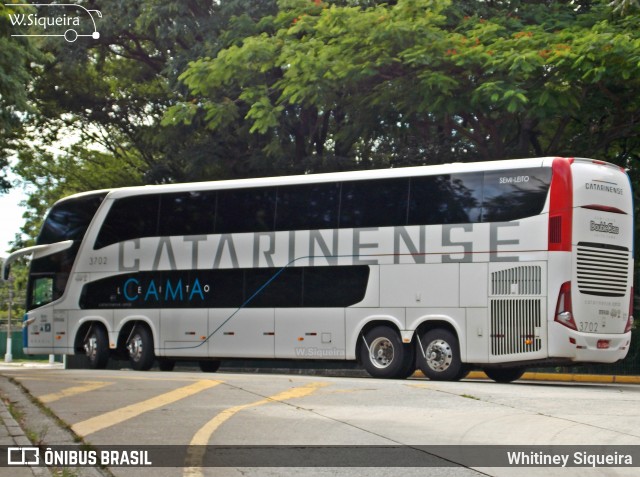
[93, 261]
[588, 326]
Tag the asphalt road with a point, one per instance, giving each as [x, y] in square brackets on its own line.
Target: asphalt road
[193, 408]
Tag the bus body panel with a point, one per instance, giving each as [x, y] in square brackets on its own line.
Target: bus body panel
[603, 259]
[495, 282]
[599, 266]
[310, 333]
[559, 272]
[477, 335]
[184, 332]
[39, 329]
[435, 285]
[245, 333]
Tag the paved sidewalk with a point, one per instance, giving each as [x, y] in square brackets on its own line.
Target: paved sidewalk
[11, 434]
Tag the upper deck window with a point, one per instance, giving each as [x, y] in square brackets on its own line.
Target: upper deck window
[510, 195]
[69, 219]
[460, 198]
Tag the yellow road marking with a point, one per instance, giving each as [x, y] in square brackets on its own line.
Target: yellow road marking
[72, 391]
[197, 449]
[117, 416]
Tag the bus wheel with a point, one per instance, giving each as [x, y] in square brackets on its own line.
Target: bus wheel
[96, 347]
[504, 375]
[140, 348]
[209, 366]
[166, 364]
[383, 355]
[439, 356]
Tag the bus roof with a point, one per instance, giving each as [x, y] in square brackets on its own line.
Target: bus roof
[371, 174]
[389, 173]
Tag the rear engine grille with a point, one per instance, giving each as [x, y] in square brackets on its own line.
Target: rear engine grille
[602, 270]
[523, 280]
[515, 326]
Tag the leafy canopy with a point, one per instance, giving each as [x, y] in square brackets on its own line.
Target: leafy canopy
[427, 81]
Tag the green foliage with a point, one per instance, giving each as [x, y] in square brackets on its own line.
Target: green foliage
[179, 91]
[69, 171]
[16, 56]
[398, 82]
[97, 105]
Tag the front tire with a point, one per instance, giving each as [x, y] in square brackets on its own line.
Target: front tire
[383, 355]
[504, 375]
[140, 348]
[96, 347]
[439, 356]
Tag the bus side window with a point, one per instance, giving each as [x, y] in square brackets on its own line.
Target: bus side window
[308, 207]
[42, 291]
[187, 213]
[376, 203]
[515, 194]
[446, 199]
[246, 210]
[130, 218]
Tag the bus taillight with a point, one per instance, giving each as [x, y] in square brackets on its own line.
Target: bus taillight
[629, 325]
[561, 206]
[564, 310]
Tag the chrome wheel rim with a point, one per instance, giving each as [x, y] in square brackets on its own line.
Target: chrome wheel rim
[381, 352]
[91, 347]
[439, 355]
[135, 347]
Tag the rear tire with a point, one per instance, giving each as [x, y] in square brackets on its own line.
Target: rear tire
[439, 356]
[383, 355]
[140, 348]
[209, 366]
[96, 347]
[504, 375]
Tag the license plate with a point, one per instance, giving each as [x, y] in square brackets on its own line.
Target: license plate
[603, 344]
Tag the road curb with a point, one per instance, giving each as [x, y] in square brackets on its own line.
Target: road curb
[562, 377]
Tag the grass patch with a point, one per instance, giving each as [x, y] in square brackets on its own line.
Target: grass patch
[469, 396]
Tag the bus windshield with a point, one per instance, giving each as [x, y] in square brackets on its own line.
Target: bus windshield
[67, 220]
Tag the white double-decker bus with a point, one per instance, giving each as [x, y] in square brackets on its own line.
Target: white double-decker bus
[496, 265]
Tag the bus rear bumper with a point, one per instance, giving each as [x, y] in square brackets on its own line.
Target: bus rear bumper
[588, 347]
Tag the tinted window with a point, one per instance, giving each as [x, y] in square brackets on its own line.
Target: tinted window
[308, 207]
[227, 288]
[187, 213]
[231, 288]
[274, 288]
[245, 210]
[515, 194]
[69, 219]
[334, 286]
[130, 218]
[446, 199]
[379, 203]
[51, 272]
